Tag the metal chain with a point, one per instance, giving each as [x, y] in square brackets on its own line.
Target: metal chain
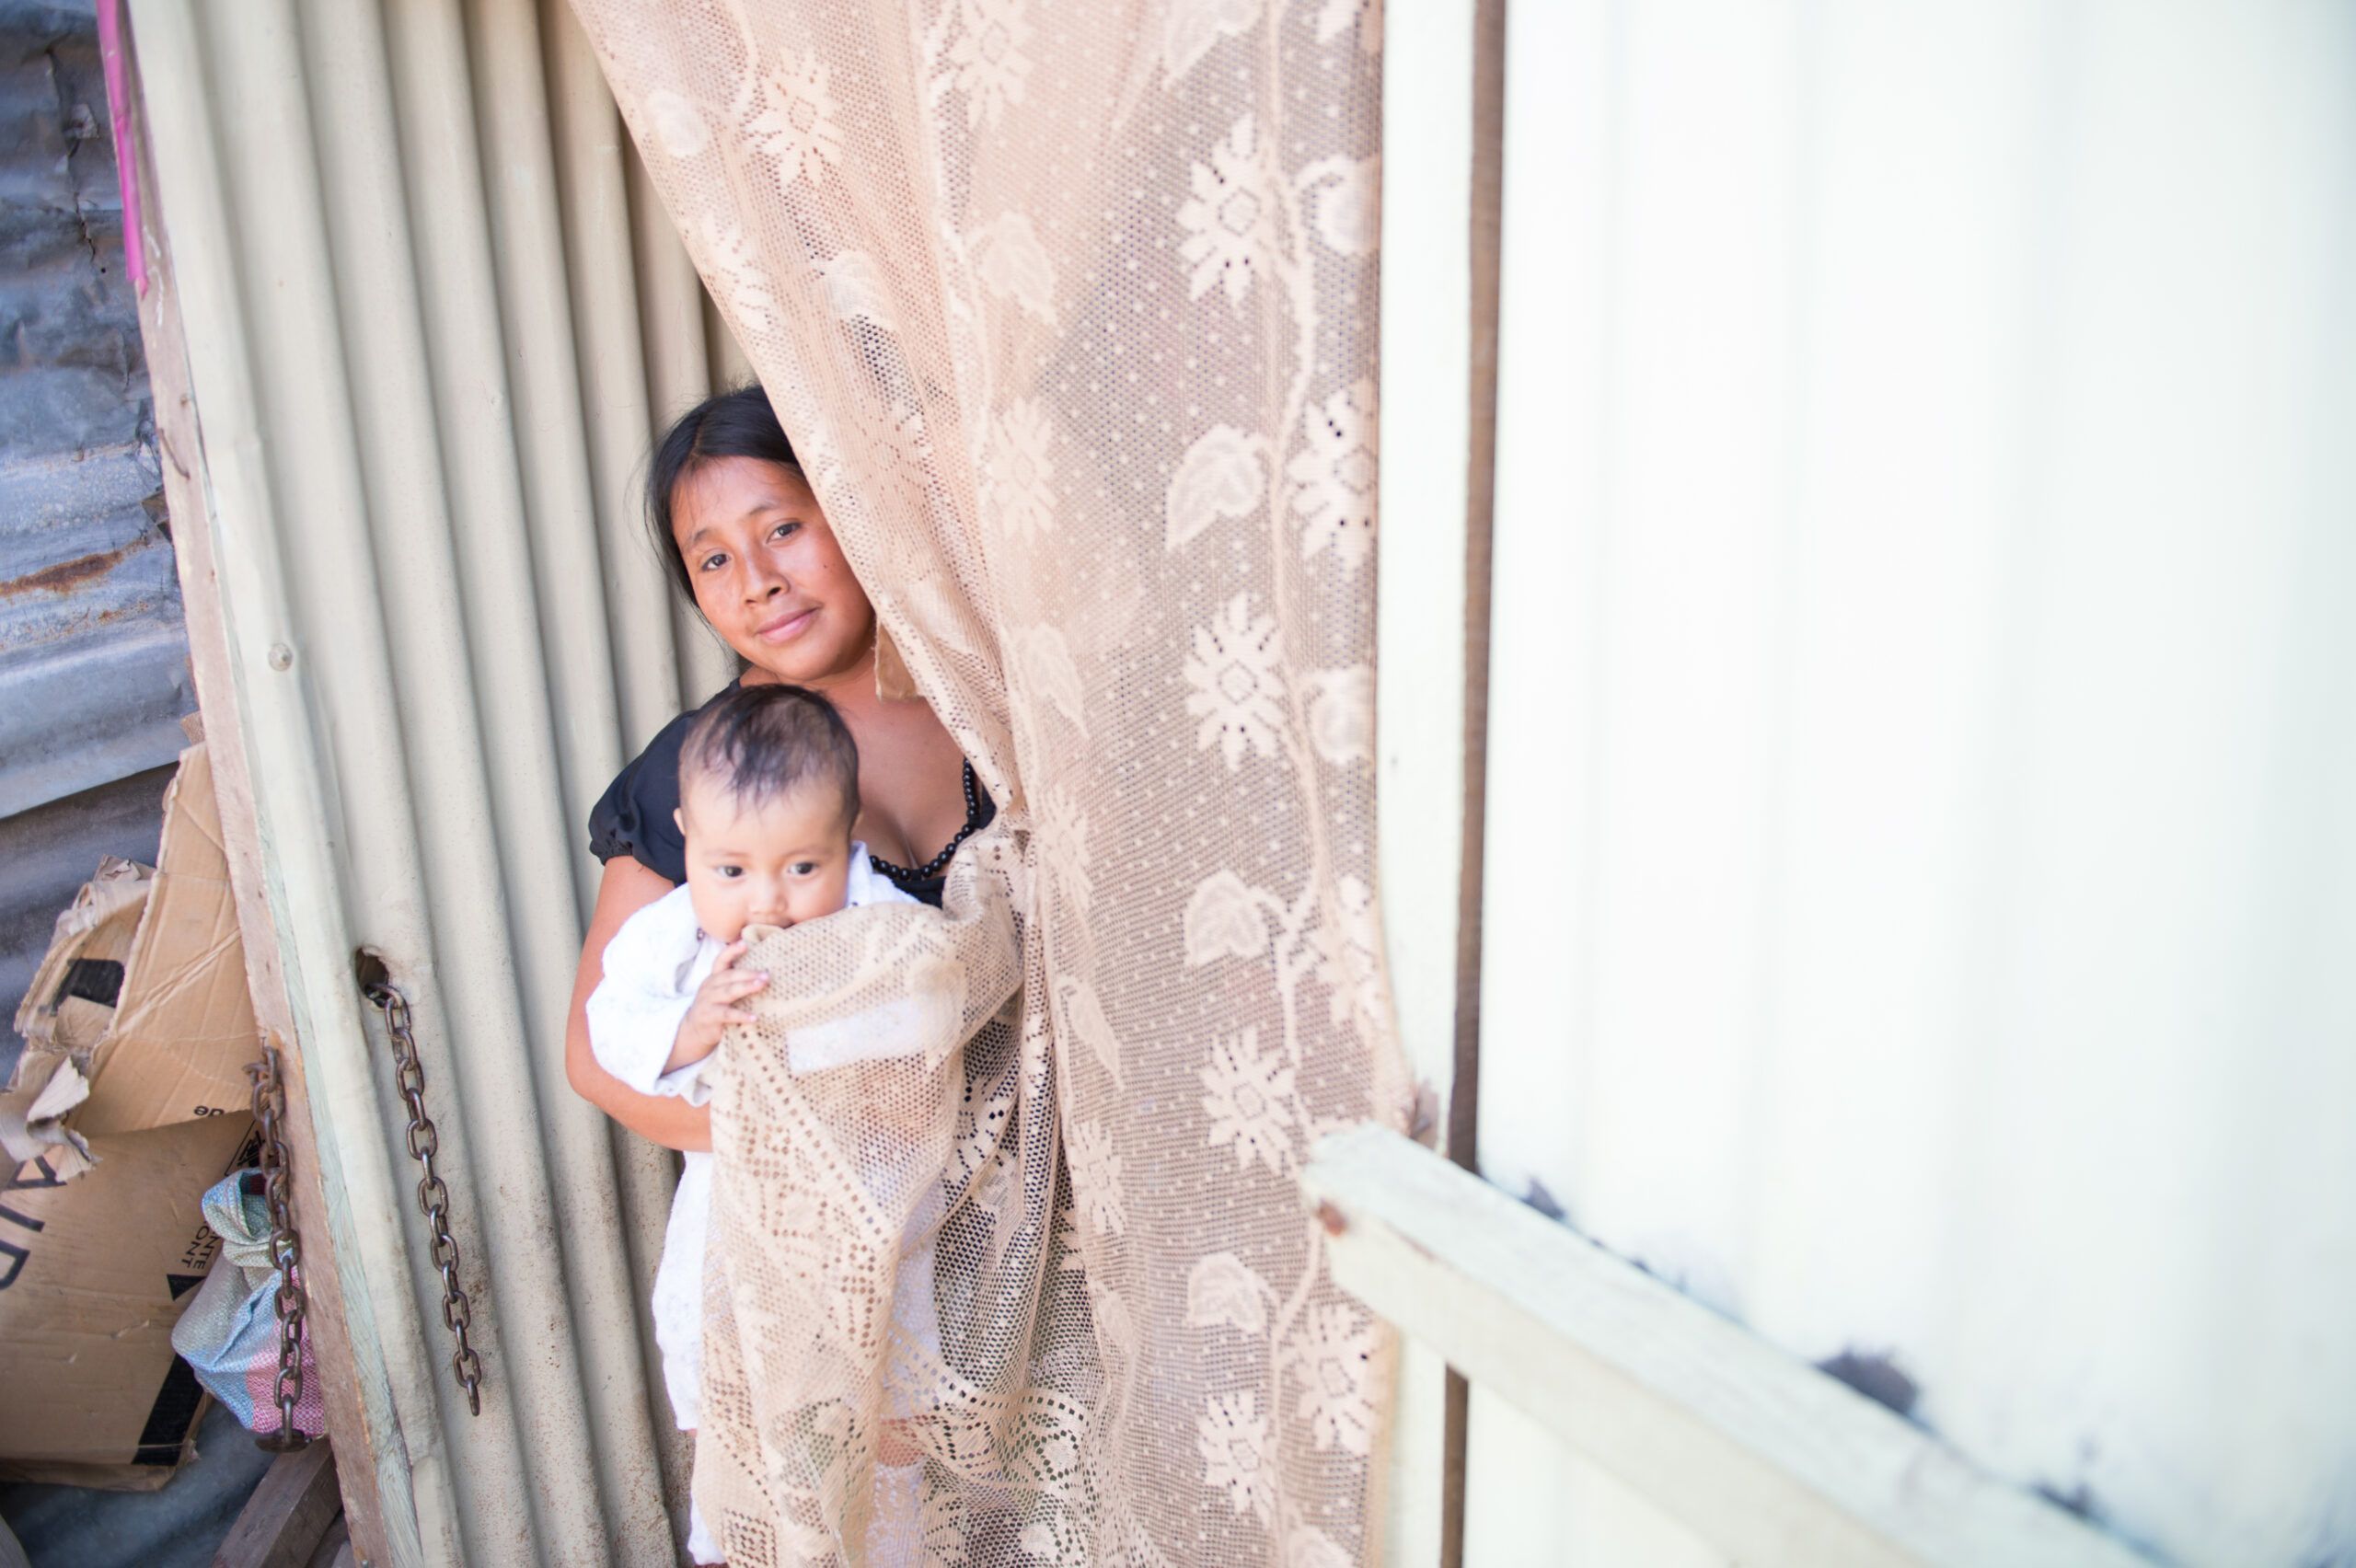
[433, 1196]
[285, 1248]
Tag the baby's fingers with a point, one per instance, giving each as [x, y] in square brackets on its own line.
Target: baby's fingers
[738, 983]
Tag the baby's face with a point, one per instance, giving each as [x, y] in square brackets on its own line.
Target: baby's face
[783, 862]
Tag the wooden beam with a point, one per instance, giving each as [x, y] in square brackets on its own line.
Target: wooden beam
[181, 445]
[1770, 1461]
[285, 1520]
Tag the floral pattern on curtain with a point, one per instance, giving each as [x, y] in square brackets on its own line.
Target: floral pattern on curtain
[1070, 311]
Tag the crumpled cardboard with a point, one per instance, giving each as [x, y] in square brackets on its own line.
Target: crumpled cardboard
[93, 1273]
[143, 994]
[33, 1120]
[130, 1099]
[69, 1005]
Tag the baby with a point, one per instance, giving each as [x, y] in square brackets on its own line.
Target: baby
[768, 790]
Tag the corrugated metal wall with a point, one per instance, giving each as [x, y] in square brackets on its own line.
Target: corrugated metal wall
[1921, 721]
[431, 322]
[93, 663]
[1921, 872]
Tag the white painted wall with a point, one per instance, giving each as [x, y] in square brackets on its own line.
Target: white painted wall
[1922, 777]
[1419, 619]
[1425, 398]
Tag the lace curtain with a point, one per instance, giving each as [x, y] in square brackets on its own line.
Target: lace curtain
[1070, 311]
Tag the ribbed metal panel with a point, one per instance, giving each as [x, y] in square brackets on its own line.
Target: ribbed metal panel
[426, 350]
[93, 663]
[1921, 837]
[93, 658]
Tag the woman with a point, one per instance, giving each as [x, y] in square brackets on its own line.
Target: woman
[744, 536]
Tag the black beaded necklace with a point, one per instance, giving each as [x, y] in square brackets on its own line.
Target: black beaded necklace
[902, 876]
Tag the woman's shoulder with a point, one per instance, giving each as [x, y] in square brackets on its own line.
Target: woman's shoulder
[634, 815]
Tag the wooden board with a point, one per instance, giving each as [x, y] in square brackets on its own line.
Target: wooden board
[1768, 1460]
[285, 1520]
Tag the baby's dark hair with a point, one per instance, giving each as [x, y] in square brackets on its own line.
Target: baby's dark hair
[761, 742]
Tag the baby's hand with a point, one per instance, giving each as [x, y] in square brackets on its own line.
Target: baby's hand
[715, 1008]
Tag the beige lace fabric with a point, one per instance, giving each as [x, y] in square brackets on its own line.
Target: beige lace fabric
[1070, 308]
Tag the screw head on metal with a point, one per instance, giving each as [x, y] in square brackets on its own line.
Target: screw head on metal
[280, 656]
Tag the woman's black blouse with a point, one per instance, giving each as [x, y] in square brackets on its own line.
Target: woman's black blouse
[635, 815]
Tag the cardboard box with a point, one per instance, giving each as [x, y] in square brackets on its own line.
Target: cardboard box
[130, 1099]
[69, 1005]
[144, 990]
[94, 1271]
[184, 1026]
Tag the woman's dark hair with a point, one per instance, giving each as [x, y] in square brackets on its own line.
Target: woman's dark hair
[726, 424]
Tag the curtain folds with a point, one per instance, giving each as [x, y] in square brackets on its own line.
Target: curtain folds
[1071, 312]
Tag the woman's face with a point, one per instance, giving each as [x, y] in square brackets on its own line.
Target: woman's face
[767, 573]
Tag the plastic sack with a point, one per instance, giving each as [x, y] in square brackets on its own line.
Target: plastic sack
[229, 1333]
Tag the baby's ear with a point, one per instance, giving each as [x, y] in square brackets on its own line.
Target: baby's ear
[679, 820]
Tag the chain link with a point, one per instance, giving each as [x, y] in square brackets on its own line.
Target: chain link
[285, 1247]
[433, 1194]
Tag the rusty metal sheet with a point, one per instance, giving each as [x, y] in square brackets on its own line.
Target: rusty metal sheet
[93, 659]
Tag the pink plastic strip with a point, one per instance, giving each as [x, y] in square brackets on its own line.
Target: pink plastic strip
[126, 166]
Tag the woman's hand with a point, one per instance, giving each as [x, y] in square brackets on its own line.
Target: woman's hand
[715, 1008]
[669, 1120]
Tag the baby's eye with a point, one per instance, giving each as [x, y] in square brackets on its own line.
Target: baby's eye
[803, 867]
[730, 872]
